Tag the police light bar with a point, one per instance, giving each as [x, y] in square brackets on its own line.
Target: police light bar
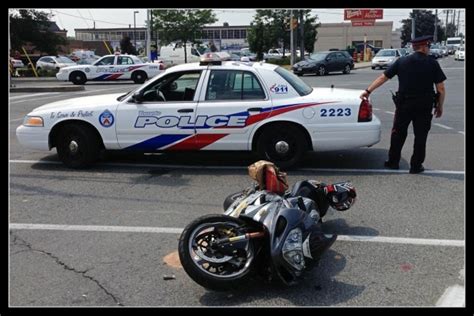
[210, 59]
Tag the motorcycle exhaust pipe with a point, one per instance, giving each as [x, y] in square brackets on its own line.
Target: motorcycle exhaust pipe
[240, 238]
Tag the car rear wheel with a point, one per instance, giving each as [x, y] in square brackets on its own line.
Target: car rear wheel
[78, 77]
[347, 69]
[321, 70]
[284, 145]
[139, 77]
[77, 146]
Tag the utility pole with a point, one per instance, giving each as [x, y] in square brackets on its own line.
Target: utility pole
[457, 27]
[454, 18]
[413, 25]
[148, 33]
[302, 35]
[435, 36]
[292, 55]
[135, 29]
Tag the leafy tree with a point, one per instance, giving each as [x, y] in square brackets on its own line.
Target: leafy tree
[126, 46]
[273, 27]
[31, 26]
[183, 25]
[424, 25]
[451, 30]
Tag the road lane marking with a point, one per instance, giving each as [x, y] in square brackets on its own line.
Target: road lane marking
[461, 132]
[69, 96]
[393, 113]
[32, 95]
[442, 126]
[18, 119]
[194, 167]
[174, 230]
[453, 296]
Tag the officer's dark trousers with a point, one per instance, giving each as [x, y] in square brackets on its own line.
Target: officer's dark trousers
[418, 111]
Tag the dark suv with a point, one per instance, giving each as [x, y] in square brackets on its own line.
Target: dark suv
[321, 63]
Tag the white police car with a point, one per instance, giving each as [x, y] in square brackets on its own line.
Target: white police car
[111, 67]
[207, 106]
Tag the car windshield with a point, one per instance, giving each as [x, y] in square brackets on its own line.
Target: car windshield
[435, 47]
[385, 53]
[461, 49]
[299, 85]
[318, 56]
[64, 60]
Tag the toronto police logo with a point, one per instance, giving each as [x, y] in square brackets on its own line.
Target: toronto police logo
[106, 119]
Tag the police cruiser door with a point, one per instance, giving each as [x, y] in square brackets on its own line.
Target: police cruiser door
[104, 67]
[164, 119]
[227, 101]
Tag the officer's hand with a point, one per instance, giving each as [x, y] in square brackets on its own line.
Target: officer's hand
[438, 111]
[364, 95]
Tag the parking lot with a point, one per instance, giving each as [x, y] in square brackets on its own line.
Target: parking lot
[98, 237]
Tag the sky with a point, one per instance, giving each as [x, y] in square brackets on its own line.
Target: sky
[70, 19]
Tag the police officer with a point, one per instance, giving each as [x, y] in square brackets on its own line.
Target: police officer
[414, 101]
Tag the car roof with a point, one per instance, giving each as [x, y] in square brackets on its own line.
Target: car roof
[226, 65]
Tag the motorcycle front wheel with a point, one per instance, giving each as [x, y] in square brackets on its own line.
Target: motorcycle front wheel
[205, 263]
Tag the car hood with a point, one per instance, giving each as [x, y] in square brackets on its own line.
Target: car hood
[383, 57]
[306, 62]
[96, 101]
[75, 67]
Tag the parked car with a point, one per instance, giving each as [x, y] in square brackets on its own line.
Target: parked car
[322, 63]
[210, 105]
[444, 51]
[385, 58]
[240, 54]
[403, 51]
[451, 49]
[360, 48]
[435, 51]
[16, 63]
[111, 67]
[460, 53]
[54, 62]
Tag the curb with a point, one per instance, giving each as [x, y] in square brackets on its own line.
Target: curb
[26, 79]
[48, 89]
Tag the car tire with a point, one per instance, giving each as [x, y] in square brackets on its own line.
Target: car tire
[139, 77]
[78, 78]
[347, 69]
[373, 67]
[282, 144]
[321, 70]
[77, 145]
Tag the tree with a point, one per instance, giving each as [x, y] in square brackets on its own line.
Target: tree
[451, 30]
[424, 25]
[126, 46]
[183, 25]
[31, 26]
[274, 26]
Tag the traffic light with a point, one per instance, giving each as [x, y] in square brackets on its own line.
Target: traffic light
[294, 23]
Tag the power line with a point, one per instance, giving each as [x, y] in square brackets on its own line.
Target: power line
[83, 18]
[94, 20]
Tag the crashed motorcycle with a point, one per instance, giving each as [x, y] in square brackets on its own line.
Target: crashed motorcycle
[274, 235]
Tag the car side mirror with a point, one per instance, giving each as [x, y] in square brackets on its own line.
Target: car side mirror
[138, 97]
[328, 58]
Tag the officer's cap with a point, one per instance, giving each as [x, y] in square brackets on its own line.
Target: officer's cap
[422, 40]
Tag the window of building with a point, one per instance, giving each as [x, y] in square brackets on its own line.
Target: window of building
[236, 33]
[230, 33]
[243, 33]
[224, 34]
[217, 34]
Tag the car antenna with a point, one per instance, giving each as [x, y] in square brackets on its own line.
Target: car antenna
[332, 86]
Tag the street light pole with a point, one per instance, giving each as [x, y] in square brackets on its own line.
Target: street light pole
[413, 33]
[135, 29]
[435, 35]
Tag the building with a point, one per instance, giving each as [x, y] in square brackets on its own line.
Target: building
[342, 35]
[397, 38]
[224, 37]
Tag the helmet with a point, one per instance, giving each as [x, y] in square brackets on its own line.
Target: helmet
[340, 195]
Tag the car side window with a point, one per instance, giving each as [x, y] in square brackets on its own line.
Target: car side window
[106, 61]
[178, 86]
[233, 85]
[123, 60]
[47, 60]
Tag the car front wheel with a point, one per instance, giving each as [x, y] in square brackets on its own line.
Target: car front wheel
[77, 146]
[321, 70]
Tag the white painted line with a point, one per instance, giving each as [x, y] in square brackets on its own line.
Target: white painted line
[32, 95]
[442, 126]
[173, 230]
[194, 167]
[461, 133]
[18, 119]
[453, 296]
[388, 112]
[71, 95]
[377, 109]
[453, 68]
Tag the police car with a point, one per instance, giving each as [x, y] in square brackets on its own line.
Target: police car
[111, 67]
[211, 105]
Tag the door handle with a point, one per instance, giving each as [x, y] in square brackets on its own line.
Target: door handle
[185, 110]
[254, 110]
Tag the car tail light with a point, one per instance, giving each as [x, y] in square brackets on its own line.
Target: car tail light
[162, 67]
[365, 111]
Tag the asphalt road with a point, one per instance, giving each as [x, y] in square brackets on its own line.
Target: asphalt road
[400, 245]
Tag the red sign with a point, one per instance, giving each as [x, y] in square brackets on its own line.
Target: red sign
[363, 23]
[363, 14]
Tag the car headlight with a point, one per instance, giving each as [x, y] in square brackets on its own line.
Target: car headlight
[35, 121]
[293, 249]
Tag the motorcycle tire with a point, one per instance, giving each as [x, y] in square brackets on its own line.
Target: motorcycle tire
[232, 198]
[207, 279]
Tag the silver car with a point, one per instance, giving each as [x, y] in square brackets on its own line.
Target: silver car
[53, 62]
[385, 58]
